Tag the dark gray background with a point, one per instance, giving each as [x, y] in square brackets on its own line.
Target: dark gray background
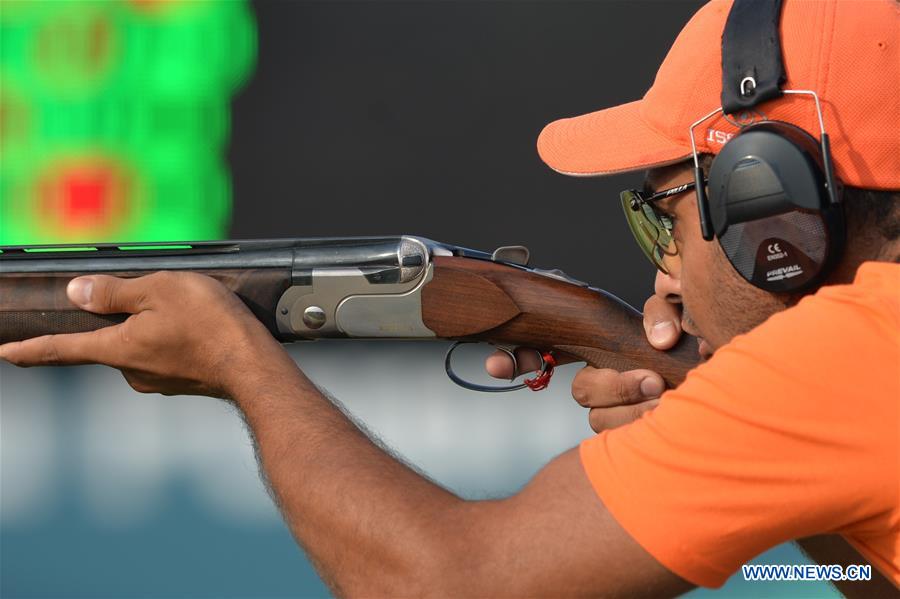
[421, 118]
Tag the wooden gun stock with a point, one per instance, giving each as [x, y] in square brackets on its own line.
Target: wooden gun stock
[484, 301]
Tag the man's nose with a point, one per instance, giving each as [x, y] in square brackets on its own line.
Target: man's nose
[667, 287]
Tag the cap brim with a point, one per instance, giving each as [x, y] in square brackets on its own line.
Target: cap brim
[606, 142]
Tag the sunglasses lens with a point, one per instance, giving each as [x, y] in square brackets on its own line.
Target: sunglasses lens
[649, 229]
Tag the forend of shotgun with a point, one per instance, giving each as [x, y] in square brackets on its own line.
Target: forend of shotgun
[400, 287]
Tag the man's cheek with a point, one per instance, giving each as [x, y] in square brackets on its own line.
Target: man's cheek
[698, 292]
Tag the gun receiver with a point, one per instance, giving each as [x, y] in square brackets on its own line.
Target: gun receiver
[400, 287]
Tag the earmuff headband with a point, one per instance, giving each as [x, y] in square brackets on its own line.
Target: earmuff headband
[752, 65]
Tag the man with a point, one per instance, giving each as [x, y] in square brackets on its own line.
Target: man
[767, 441]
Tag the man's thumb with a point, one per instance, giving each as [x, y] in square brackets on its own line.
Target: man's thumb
[80, 291]
[105, 294]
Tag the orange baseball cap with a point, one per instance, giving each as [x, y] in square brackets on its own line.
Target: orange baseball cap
[847, 51]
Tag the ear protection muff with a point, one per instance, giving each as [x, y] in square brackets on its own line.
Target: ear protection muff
[773, 202]
[770, 209]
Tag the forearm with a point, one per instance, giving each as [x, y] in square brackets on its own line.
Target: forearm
[370, 524]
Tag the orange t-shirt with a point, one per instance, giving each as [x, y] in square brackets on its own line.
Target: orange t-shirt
[788, 431]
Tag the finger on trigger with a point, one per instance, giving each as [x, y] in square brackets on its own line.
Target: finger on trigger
[500, 365]
[527, 359]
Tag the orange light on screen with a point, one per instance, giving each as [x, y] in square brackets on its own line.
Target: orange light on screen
[14, 118]
[150, 6]
[85, 199]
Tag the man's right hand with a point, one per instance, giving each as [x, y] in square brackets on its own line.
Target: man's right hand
[613, 398]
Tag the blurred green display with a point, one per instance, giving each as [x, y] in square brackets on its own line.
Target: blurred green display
[114, 117]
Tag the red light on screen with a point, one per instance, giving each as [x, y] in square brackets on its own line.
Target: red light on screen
[84, 199]
[85, 195]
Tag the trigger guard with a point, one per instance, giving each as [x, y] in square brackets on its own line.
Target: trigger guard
[448, 367]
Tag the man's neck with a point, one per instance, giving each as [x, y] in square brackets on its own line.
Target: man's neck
[866, 250]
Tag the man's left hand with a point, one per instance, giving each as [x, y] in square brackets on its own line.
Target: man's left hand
[187, 334]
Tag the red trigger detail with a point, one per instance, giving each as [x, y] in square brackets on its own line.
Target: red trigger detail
[541, 381]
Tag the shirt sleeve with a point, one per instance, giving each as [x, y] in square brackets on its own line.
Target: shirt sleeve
[788, 431]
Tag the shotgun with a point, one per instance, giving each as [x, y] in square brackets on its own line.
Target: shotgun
[400, 287]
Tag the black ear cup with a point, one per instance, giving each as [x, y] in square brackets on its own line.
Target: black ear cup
[783, 253]
[769, 207]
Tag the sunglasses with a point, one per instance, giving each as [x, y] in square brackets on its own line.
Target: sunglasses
[651, 228]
